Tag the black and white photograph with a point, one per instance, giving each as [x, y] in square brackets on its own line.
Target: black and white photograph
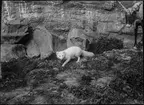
[71, 52]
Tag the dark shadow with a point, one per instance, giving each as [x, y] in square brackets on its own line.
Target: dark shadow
[105, 44]
[27, 37]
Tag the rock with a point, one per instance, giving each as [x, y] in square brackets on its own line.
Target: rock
[102, 28]
[124, 57]
[109, 54]
[132, 101]
[59, 44]
[71, 82]
[14, 22]
[56, 69]
[39, 100]
[89, 19]
[32, 49]
[77, 24]
[18, 96]
[128, 30]
[75, 73]
[62, 76]
[21, 98]
[69, 97]
[102, 82]
[40, 43]
[48, 86]
[116, 36]
[114, 26]
[76, 37]
[108, 5]
[106, 27]
[71, 78]
[9, 51]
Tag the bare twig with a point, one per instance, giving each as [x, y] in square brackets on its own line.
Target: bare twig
[125, 9]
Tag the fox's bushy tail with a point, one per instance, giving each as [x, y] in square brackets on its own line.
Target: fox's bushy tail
[87, 54]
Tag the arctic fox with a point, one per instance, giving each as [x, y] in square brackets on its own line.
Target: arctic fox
[71, 53]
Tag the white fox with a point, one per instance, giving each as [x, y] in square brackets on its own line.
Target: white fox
[71, 53]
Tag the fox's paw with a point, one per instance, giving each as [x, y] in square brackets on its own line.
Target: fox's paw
[77, 61]
[63, 65]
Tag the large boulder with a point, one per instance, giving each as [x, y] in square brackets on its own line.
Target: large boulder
[10, 51]
[77, 37]
[32, 49]
[41, 43]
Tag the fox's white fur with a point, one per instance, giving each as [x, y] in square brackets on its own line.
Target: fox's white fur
[71, 53]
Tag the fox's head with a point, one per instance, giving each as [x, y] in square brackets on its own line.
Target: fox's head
[60, 55]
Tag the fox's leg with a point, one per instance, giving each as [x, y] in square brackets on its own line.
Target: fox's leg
[78, 60]
[66, 62]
